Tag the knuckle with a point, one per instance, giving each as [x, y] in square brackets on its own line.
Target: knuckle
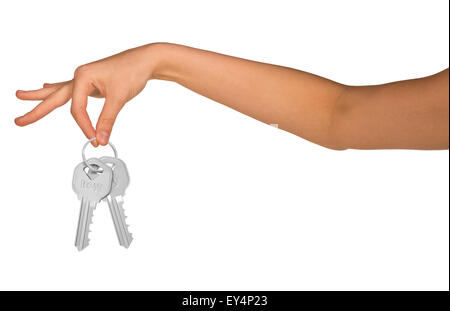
[74, 111]
[106, 122]
[81, 72]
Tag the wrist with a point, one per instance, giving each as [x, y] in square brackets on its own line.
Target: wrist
[162, 66]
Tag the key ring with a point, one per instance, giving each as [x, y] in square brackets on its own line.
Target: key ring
[84, 157]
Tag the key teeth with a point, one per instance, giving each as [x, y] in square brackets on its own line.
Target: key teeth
[122, 210]
[130, 235]
[120, 203]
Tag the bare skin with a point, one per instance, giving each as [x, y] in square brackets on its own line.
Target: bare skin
[411, 114]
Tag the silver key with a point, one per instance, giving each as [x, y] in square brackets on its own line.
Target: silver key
[91, 189]
[121, 180]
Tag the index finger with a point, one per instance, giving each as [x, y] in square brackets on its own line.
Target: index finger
[81, 90]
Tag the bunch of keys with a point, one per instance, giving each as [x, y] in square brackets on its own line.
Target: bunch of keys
[98, 179]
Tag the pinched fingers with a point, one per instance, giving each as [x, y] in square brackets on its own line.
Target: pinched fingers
[81, 90]
[53, 101]
[106, 120]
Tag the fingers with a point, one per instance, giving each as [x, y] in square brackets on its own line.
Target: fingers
[106, 120]
[81, 90]
[55, 84]
[37, 94]
[55, 100]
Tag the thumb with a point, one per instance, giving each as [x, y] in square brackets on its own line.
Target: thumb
[106, 120]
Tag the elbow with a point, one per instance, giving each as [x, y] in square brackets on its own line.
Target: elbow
[335, 145]
[336, 137]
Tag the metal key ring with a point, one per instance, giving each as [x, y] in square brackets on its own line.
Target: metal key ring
[84, 157]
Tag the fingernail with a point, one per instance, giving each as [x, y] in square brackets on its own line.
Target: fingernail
[103, 137]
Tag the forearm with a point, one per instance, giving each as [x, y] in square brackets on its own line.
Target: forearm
[409, 114]
[296, 101]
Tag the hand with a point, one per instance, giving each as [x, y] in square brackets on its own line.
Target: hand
[117, 78]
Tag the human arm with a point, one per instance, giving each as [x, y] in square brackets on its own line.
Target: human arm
[409, 114]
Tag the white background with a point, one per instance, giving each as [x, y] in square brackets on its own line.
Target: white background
[217, 200]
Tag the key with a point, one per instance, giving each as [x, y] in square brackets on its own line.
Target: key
[121, 180]
[91, 189]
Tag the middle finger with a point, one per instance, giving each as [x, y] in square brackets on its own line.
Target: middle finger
[39, 94]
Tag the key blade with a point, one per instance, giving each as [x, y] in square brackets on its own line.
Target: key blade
[128, 235]
[84, 222]
[118, 215]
